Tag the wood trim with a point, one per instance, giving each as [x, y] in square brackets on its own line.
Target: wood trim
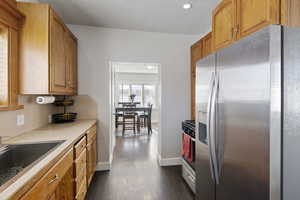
[13, 70]
[10, 15]
[12, 108]
[195, 56]
[207, 50]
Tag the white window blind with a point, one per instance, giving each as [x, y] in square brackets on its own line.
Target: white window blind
[3, 65]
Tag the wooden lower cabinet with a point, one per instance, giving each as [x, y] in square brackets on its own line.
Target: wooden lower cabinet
[91, 160]
[65, 189]
[47, 187]
[70, 177]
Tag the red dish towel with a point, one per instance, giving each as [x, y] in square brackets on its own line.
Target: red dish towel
[187, 151]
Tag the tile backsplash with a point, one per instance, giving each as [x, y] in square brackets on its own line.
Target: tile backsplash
[34, 116]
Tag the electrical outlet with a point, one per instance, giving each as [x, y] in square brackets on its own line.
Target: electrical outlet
[20, 120]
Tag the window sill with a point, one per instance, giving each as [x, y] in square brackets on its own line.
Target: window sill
[12, 108]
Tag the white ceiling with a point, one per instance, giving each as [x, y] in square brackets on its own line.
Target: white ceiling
[165, 16]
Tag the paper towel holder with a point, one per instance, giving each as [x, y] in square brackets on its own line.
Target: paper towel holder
[45, 99]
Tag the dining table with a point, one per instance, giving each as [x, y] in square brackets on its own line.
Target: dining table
[133, 109]
[144, 109]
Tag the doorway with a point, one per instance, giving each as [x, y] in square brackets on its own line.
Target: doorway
[138, 84]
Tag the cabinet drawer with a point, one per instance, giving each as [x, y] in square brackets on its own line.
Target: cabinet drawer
[80, 146]
[82, 192]
[91, 133]
[80, 179]
[80, 163]
[47, 185]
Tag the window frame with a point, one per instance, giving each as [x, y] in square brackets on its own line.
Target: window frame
[13, 19]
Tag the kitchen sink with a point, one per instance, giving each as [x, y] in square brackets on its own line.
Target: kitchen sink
[15, 159]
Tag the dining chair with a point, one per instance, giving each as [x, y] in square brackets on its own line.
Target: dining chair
[118, 115]
[129, 122]
[145, 119]
[130, 119]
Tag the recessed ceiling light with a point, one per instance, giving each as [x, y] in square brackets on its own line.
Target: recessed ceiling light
[187, 6]
[150, 67]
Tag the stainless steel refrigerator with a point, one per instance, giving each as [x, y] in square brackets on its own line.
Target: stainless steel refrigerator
[248, 119]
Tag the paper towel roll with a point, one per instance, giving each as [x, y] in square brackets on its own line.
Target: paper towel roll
[45, 99]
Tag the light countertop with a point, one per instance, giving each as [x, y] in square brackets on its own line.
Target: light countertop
[70, 132]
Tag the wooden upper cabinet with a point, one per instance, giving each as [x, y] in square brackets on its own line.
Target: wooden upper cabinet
[196, 55]
[290, 13]
[196, 51]
[48, 52]
[253, 15]
[58, 52]
[71, 60]
[207, 45]
[224, 24]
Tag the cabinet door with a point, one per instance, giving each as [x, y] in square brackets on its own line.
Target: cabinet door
[94, 156]
[224, 24]
[253, 15]
[71, 61]
[53, 197]
[74, 66]
[91, 160]
[89, 163]
[65, 189]
[58, 71]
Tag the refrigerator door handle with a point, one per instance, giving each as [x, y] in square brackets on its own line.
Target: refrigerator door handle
[208, 123]
[213, 129]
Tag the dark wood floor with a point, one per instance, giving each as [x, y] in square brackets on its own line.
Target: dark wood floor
[135, 174]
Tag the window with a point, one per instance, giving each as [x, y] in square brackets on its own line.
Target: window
[146, 94]
[11, 20]
[3, 65]
[138, 91]
[149, 94]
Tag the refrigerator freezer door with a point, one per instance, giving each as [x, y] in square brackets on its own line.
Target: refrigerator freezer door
[243, 119]
[291, 114]
[205, 186]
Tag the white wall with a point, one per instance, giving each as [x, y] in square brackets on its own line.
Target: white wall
[99, 46]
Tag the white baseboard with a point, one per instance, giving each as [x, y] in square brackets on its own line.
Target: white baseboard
[169, 161]
[103, 166]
